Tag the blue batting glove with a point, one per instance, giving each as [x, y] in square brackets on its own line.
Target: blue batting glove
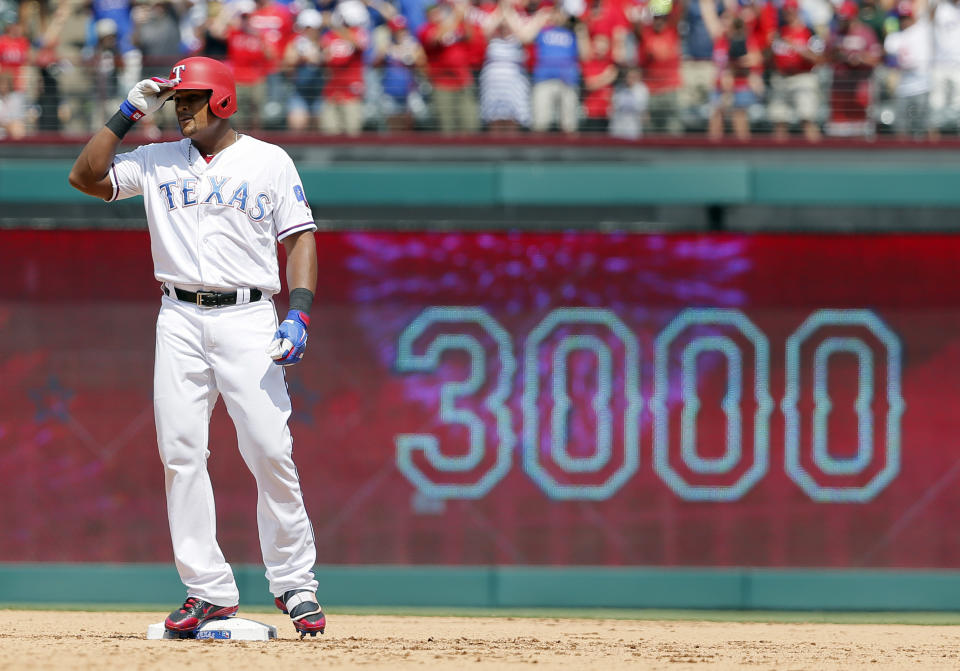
[290, 340]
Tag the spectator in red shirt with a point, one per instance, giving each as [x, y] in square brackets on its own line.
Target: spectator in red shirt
[761, 20]
[739, 62]
[274, 22]
[477, 15]
[14, 54]
[343, 48]
[794, 88]
[854, 51]
[607, 17]
[446, 38]
[599, 75]
[249, 55]
[659, 54]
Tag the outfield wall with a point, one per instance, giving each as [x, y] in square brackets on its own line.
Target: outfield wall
[542, 188]
[721, 182]
[631, 419]
[509, 587]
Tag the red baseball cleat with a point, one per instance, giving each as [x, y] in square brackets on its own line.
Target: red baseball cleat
[302, 606]
[195, 612]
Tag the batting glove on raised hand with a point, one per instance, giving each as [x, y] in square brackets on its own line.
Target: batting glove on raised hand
[146, 97]
[290, 340]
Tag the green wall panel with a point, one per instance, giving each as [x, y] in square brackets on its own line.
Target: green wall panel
[625, 184]
[40, 181]
[512, 586]
[856, 184]
[616, 587]
[400, 184]
[384, 184]
[869, 590]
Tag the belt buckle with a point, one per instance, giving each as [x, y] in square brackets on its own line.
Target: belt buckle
[200, 295]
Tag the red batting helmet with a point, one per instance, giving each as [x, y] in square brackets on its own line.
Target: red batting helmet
[202, 73]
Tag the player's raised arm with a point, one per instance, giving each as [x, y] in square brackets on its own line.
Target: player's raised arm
[90, 171]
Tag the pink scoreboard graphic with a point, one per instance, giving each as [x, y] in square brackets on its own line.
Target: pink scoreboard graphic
[520, 398]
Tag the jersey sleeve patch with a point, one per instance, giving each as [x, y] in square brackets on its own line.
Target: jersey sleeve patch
[300, 195]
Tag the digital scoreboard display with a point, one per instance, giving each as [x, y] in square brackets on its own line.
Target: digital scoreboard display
[522, 398]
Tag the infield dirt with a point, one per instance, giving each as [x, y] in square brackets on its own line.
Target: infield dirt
[105, 640]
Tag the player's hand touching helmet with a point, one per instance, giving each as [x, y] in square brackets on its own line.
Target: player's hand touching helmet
[146, 97]
[290, 340]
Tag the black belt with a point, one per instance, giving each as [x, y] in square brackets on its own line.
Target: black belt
[211, 299]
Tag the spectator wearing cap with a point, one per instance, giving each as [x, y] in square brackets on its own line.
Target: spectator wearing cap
[945, 72]
[249, 55]
[854, 52]
[106, 64]
[117, 11]
[794, 87]
[659, 54]
[445, 37]
[739, 63]
[303, 61]
[402, 61]
[343, 47]
[561, 43]
[911, 50]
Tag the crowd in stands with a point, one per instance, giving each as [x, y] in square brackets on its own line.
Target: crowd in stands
[626, 68]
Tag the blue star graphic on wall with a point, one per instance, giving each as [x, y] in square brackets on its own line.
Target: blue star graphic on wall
[51, 401]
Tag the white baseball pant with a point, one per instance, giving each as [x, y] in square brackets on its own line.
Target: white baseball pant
[202, 353]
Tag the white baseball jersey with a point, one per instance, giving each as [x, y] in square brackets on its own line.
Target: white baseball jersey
[216, 225]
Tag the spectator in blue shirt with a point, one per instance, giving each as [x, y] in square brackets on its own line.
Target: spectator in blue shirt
[558, 49]
[119, 12]
[698, 70]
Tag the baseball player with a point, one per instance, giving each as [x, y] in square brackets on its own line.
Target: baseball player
[217, 202]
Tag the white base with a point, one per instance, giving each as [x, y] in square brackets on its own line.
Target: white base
[230, 629]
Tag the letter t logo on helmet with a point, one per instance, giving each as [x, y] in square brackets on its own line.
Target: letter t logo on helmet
[176, 71]
[206, 74]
